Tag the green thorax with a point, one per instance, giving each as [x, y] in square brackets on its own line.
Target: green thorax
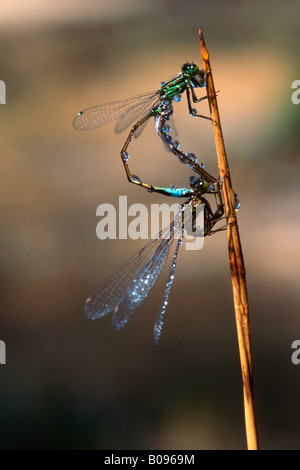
[190, 74]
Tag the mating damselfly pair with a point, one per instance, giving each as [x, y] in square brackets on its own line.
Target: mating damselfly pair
[123, 291]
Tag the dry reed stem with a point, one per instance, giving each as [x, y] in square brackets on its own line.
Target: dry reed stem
[237, 267]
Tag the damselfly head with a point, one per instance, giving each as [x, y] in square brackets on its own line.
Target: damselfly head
[191, 70]
[196, 76]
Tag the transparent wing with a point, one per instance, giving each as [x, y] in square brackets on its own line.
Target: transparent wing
[141, 285]
[122, 313]
[137, 112]
[165, 299]
[128, 110]
[124, 290]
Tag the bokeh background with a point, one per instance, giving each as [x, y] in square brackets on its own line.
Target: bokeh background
[72, 383]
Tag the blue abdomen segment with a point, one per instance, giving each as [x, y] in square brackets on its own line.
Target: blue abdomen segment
[178, 192]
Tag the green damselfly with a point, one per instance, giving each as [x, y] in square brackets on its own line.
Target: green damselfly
[137, 111]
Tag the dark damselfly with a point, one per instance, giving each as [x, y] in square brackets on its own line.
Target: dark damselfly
[124, 290]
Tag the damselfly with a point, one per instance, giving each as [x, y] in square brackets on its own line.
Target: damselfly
[138, 110]
[123, 291]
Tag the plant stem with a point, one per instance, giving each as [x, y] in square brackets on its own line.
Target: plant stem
[236, 261]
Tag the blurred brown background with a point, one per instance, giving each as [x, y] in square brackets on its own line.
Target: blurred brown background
[71, 383]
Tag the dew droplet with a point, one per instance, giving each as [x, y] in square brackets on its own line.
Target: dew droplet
[192, 157]
[177, 98]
